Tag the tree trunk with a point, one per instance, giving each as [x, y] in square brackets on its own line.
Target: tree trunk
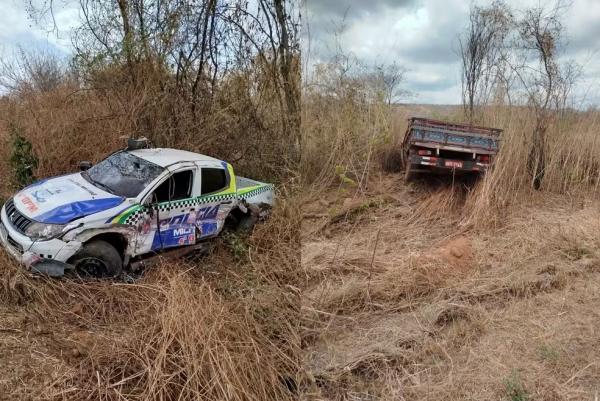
[537, 156]
[127, 37]
[290, 76]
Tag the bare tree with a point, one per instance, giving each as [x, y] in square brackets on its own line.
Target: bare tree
[481, 50]
[188, 48]
[26, 71]
[289, 66]
[518, 57]
[545, 81]
[390, 78]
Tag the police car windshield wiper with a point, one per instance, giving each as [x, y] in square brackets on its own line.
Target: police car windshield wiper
[97, 183]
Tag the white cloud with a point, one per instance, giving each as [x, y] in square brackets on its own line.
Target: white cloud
[17, 29]
[422, 36]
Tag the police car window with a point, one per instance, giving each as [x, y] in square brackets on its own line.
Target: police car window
[178, 186]
[161, 194]
[213, 180]
[182, 185]
[122, 174]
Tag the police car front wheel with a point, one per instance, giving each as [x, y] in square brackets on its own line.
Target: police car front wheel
[98, 259]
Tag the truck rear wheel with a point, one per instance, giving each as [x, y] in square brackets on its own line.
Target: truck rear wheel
[409, 174]
[98, 259]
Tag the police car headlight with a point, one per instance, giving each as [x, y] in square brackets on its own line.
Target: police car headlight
[41, 231]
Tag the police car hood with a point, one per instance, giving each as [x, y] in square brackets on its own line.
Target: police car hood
[60, 200]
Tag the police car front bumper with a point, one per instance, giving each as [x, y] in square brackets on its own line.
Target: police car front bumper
[17, 244]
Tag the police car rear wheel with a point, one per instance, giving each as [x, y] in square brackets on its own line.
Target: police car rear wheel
[246, 224]
[98, 259]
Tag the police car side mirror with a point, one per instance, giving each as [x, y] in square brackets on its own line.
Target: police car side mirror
[85, 165]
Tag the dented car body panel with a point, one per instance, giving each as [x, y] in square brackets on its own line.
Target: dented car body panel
[151, 199]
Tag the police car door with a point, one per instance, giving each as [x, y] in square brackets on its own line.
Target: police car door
[217, 194]
[170, 212]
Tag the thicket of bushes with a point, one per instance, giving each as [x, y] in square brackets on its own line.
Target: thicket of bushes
[346, 125]
[72, 121]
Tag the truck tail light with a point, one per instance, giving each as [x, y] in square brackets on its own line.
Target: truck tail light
[423, 152]
[484, 158]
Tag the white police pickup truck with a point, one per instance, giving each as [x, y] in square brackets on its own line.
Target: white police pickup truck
[135, 203]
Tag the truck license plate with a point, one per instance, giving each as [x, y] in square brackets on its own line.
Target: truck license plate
[452, 163]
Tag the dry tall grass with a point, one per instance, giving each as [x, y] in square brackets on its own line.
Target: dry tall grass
[71, 122]
[343, 127]
[348, 134]
[572, 159]
[203, 330]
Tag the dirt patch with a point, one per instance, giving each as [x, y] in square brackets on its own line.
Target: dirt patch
[457, 253]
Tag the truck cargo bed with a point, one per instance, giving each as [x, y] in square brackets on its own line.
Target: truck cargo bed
[439, 146]
[453, 136]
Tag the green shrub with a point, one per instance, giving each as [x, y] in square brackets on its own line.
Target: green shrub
[548, 353]
[514, 389]
[237, 245]
[23, 160]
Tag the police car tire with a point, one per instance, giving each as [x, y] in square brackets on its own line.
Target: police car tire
[105, 252]
[246, 223]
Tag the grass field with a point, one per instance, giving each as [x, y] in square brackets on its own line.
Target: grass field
[406, 302]
[442, 290]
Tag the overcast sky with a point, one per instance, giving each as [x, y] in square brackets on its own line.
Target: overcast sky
[17, 29]
[421, 35]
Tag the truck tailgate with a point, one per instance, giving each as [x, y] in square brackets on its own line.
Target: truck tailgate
[459, 137]
[253, 191]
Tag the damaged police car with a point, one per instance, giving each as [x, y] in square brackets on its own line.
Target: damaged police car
[136, 203]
